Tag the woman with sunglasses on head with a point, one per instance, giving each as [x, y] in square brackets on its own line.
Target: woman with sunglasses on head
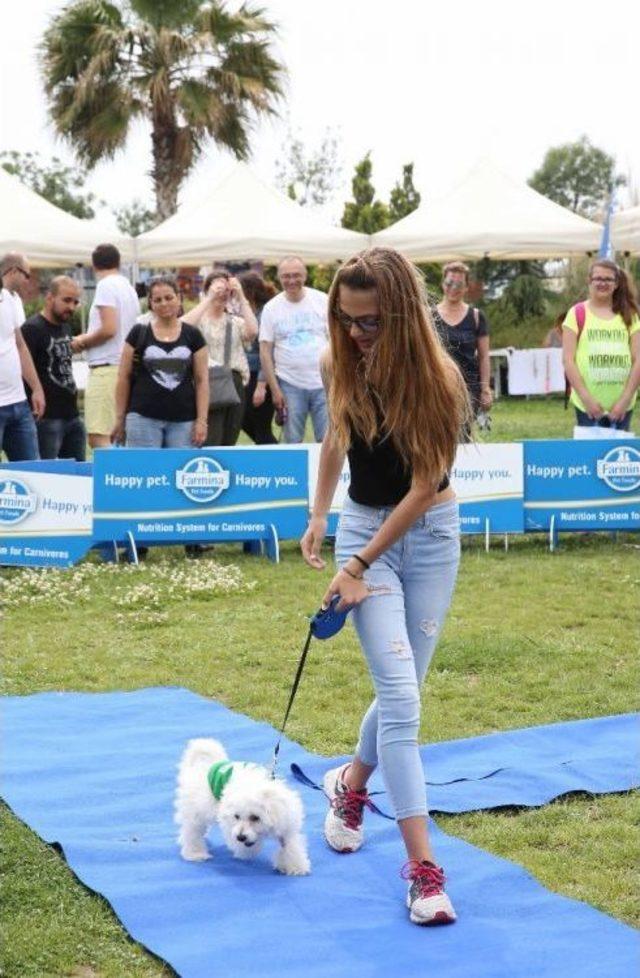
[601, 348]
[465, 333]
[396, 405]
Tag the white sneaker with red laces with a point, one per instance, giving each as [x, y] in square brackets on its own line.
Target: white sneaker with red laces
[428, 904]
[343, 824]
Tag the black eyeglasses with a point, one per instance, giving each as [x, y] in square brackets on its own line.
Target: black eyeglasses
[601, 280]
[368, 324]
[26, 274]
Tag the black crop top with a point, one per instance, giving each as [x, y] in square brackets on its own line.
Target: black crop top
[379, 476]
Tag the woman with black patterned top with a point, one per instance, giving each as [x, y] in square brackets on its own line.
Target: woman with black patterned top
[465, 334]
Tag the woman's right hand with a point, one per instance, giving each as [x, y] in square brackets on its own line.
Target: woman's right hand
[278, 399]
[118, 432]
[259, 394]
[594, 408]
[311, 542]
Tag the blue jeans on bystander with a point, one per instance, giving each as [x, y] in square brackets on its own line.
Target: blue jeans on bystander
[302, 402]
[143, 432]
[62, 438]
[585, 421]
[18, 438]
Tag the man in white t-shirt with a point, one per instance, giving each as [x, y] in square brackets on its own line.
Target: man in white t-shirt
[293, 333]
[114, 310]
[18, 436]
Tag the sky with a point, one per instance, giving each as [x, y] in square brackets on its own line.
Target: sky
[411, 81]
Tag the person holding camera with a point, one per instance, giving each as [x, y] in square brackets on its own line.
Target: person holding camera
[225, 335]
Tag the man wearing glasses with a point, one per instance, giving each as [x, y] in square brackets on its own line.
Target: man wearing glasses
[18, 437]
[293, 333]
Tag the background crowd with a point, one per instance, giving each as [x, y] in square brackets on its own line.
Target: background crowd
[247, 356]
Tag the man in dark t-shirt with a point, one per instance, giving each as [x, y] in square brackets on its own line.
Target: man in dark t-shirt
[61, 433]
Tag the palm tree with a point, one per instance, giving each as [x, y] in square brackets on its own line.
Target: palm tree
[194, 70]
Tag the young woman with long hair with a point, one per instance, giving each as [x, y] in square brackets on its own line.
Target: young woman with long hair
[602, 354]
[397, 403]
[258, 407]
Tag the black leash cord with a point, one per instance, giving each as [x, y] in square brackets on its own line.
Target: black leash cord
[294, 690]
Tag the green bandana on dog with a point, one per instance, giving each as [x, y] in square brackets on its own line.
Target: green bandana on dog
[220, 774]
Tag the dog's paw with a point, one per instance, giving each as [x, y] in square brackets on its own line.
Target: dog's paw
[289, 865]
[195, 855]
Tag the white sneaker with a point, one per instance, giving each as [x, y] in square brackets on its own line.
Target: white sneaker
[427, 902]
[343, 824]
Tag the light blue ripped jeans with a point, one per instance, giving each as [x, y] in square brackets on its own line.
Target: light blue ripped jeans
[398, 626]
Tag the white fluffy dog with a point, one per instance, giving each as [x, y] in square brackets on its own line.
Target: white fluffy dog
[248, 804]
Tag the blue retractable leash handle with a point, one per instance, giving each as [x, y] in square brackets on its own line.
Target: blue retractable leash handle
[326, 623]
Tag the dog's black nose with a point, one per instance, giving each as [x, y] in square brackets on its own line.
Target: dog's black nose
[242, 837]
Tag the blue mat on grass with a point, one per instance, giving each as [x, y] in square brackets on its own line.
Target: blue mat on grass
[95, 773]
[527, 767]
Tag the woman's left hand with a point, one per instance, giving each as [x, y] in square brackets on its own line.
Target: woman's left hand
[486, 398]
[619, 409]
[352, 591]
[199, 433]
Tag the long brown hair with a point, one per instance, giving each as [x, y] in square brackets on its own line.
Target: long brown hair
[625, 299]
[408, 389]
[257, 290]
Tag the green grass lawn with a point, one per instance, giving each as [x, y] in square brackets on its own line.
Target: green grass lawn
[532, 638]
[513, 419]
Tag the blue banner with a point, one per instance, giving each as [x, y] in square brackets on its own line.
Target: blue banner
[45, 513]
[504, 516]
[488, 482]
[585, 485]
[188, 495]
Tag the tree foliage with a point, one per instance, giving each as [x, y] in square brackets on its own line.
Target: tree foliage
[135, 218]
[404, 197]
[195, 71]
[364, 213]
[310, 176]
[578, 176]
[58, 183]
[520, 285]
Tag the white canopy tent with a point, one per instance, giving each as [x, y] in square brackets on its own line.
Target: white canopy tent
[243, 218]
[625, 231]
[48, 236]
[488, 214]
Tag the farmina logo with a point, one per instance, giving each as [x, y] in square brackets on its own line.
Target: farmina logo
[202, 480]
[16, 502]
[620, 469]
